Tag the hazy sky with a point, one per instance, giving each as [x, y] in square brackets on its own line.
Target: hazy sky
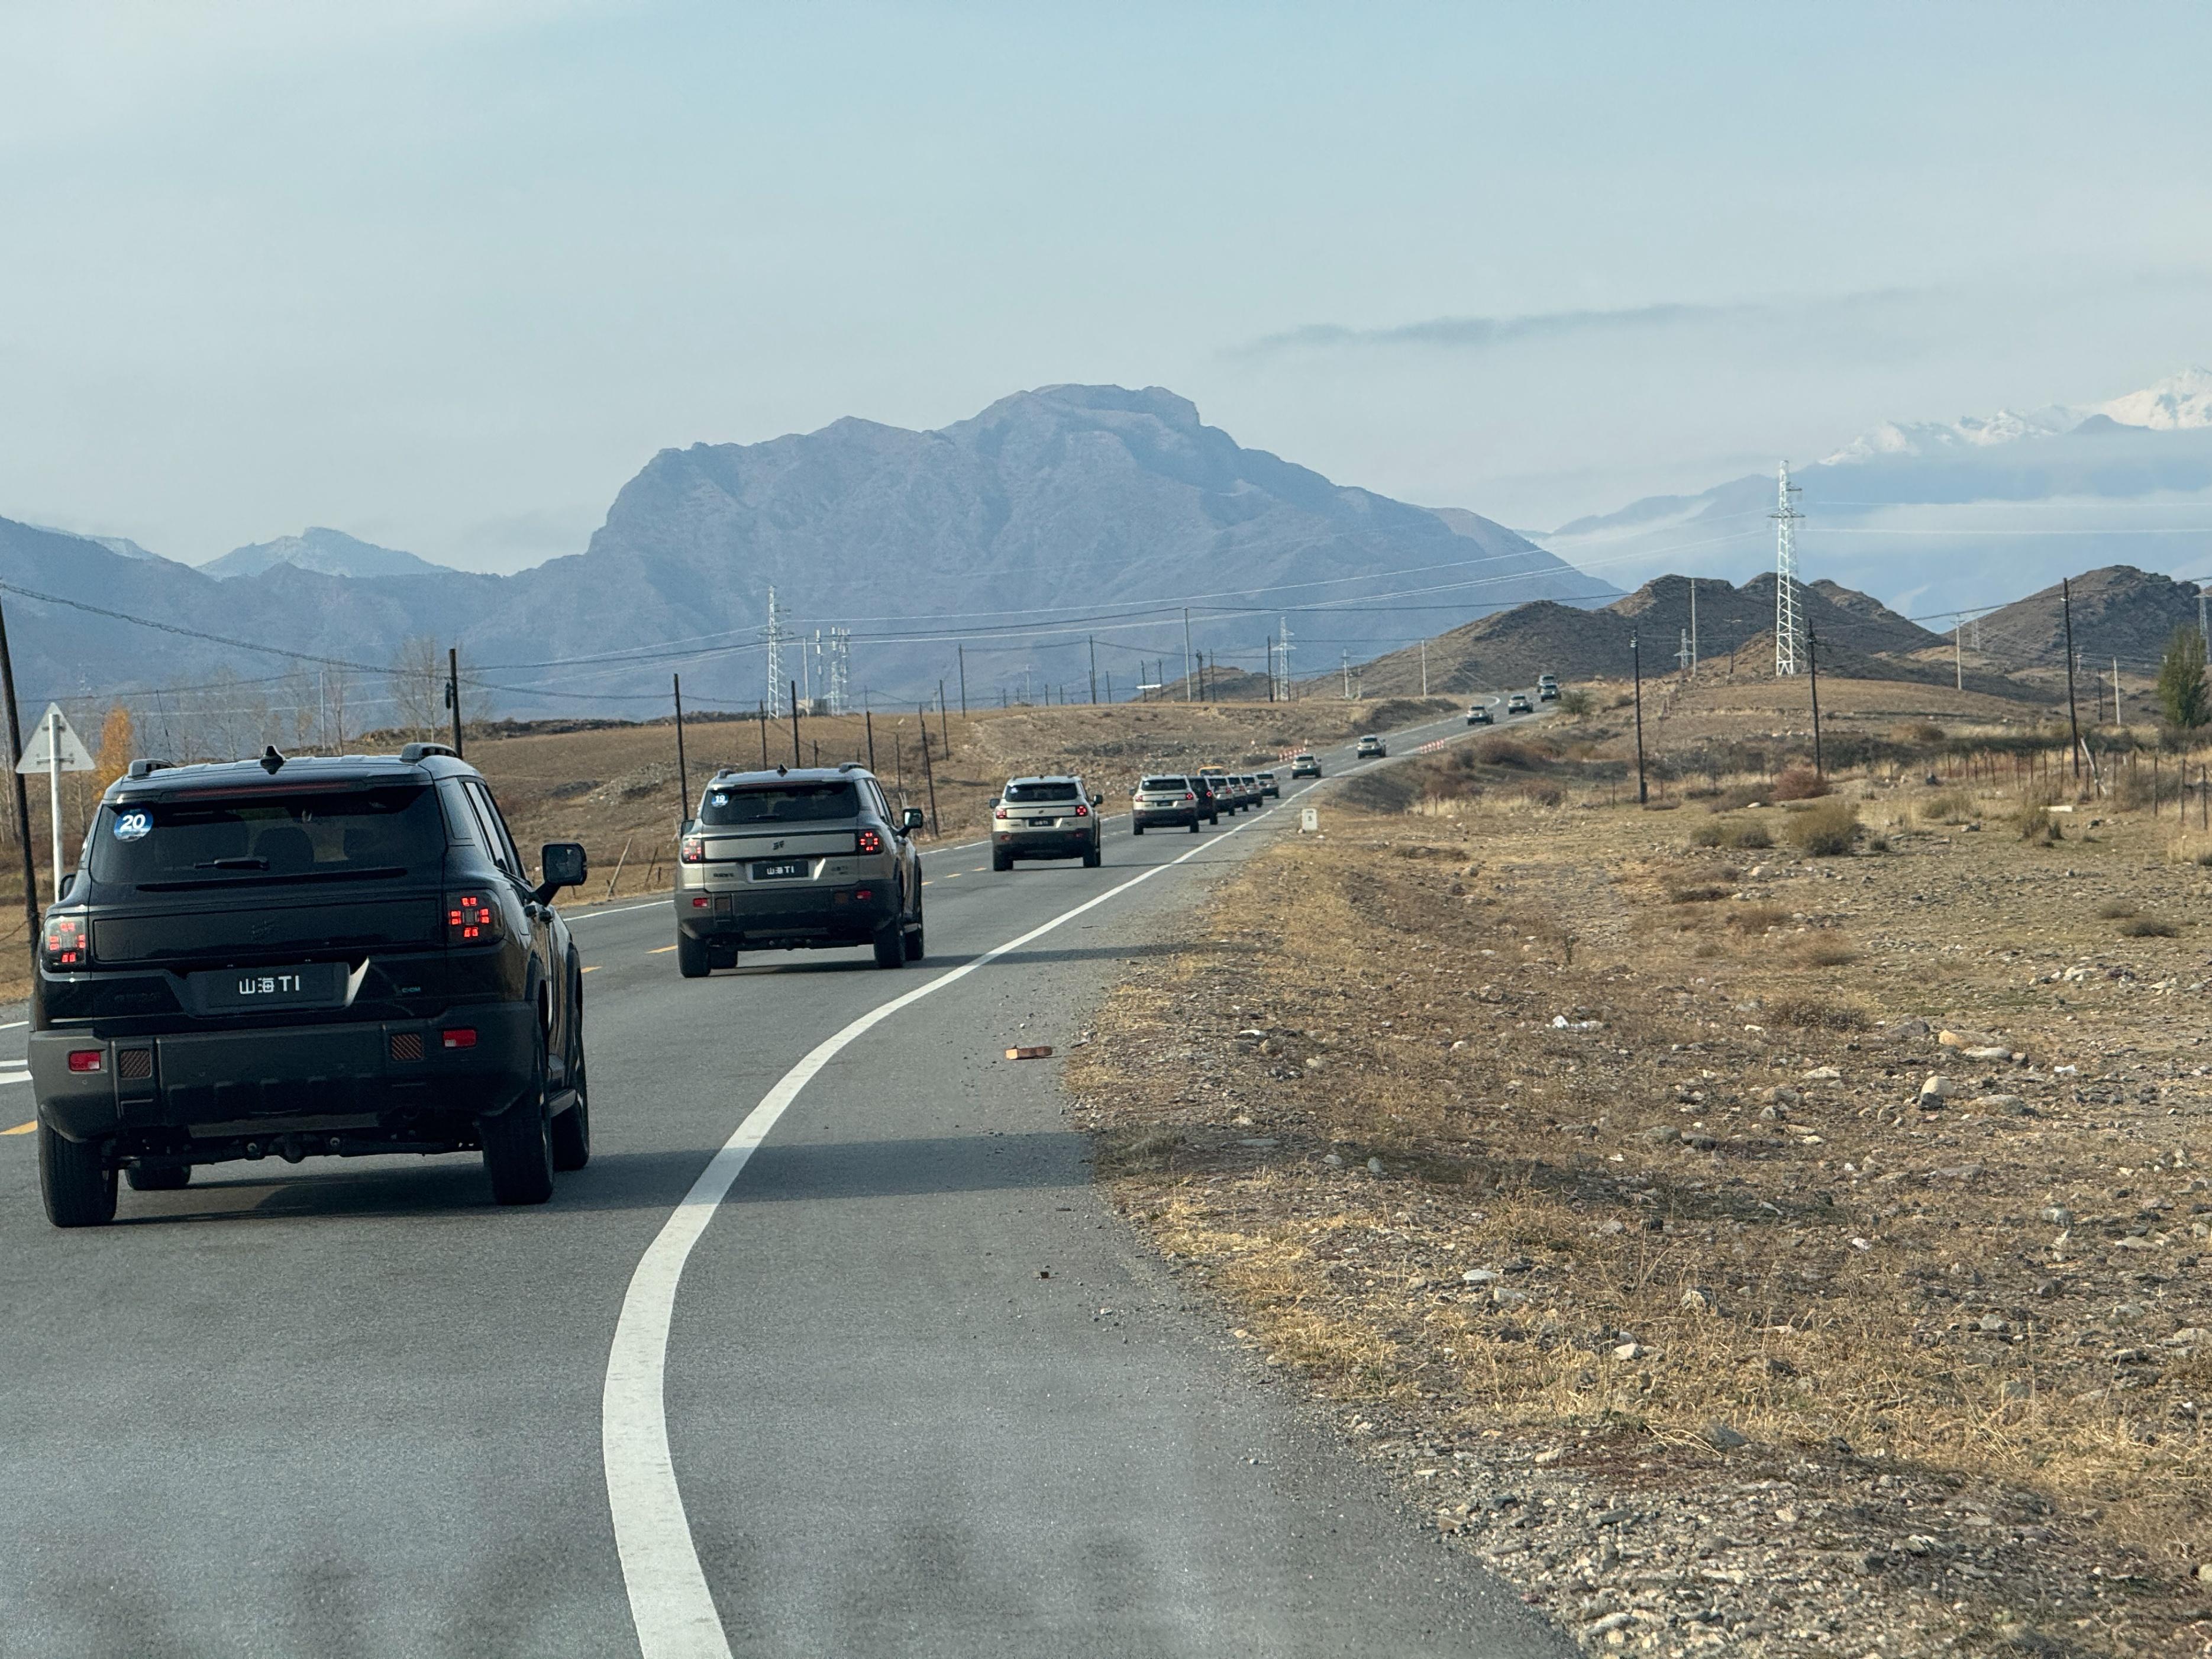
[445, 276]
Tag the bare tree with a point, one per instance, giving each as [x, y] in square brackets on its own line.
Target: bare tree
[417, 685]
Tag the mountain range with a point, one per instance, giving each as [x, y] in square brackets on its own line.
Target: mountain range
[1000, 546]
[1936, 516]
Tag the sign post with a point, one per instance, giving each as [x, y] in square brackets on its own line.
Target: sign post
[54, 748]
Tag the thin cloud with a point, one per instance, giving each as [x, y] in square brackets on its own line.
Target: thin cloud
[1479, 333]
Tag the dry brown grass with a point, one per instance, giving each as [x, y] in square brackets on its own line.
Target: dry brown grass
[1841, 1270]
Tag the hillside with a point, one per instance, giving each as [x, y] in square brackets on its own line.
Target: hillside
[2118, 611]
[1857, 635]
[333, 552]
[1106, 507]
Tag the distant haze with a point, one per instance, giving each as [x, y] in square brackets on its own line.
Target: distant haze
[443, 276]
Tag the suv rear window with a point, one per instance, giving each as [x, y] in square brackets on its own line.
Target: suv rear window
[1022, 794]
[789, 803]
[251, 840]
[1156, 784]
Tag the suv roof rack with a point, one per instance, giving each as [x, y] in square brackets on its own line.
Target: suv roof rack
[414, 751]
[146, 769]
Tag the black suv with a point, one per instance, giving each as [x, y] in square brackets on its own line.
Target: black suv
[301, 957]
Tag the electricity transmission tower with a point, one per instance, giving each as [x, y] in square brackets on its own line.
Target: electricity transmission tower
[1285, 648]
[1789, 619]
[838, 670]
[775, 633]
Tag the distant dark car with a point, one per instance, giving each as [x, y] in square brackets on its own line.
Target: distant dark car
[305, 957]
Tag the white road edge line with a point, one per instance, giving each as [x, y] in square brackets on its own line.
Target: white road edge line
[669, 1601]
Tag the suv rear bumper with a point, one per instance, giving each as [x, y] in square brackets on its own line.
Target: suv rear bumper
[1044, 844]
[767, 917]
[1177, 816]
[271, 1078]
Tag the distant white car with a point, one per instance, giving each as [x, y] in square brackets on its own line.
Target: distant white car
[1369, 747]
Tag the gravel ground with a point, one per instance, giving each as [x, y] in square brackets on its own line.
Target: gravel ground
[1599, 1183]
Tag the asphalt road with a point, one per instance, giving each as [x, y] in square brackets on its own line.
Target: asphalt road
[923, 1393]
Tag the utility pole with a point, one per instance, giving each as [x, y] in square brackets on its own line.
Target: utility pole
[796, 758]
[453, 693]
[1425, 668]
[868, 716]
[1344, 661]
[944, 734]
[962, 650]
[1185, 653]
[2073, 710]
[1271, 668]
[1693, 627]
[762, 708]
[18, 798]
[683, 771]
[1283, 631]
[2116, 721]
[1094, 670]
[1958, 654]
[927, 771]
[2203, 632]
[1636, 668]
[1813, 665]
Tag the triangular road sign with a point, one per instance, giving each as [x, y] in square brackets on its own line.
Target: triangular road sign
[36, 755]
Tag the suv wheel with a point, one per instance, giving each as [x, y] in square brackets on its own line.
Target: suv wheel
[1001, 861]
[890, 945]
[517, 1148]
[1136, 829]
[572, 1129]
[1091, 858]
[73, 1179]
[692, 959]
[914, 934]
[168, 1179]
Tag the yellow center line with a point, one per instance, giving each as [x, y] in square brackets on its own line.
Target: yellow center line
[660, 950]
[593, 968]
[951, 875]
[21, 1128]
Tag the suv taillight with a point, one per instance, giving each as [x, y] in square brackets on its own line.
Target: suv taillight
[693, 850]
[871, 841]
[65, 946]
[1081, 811]
[1000, 813]
[471, 919]
[1187, 795]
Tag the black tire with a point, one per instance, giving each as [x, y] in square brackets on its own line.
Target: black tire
[1194, 826]
[1001, 861]
[572, 1129]
[517, 1148]
[693, 959]
[1136, 829]
[889, 943]
[166, 1179]
[1091, 859]
[914, 941]
[78, 1189]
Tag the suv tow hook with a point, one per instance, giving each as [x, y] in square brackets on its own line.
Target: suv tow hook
[288, 1148]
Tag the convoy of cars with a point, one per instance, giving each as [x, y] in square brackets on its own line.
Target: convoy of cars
[347, 956]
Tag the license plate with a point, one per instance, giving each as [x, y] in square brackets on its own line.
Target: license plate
[1042, 824]
[315, 985]
[782, 872]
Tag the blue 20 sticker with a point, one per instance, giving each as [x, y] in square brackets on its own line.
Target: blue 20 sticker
[130, 826]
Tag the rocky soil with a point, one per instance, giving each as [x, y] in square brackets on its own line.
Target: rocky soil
[1738, 1251]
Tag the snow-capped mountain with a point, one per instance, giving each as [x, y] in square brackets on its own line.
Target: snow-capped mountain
[2180, 403]
[1930, 516]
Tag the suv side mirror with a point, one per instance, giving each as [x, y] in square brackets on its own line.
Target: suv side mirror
[913, 818]
[1097, 800]
[564, 865]
[65, 885]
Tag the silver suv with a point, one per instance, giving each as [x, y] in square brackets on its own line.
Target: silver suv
[797, 860]
[1047, 818]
